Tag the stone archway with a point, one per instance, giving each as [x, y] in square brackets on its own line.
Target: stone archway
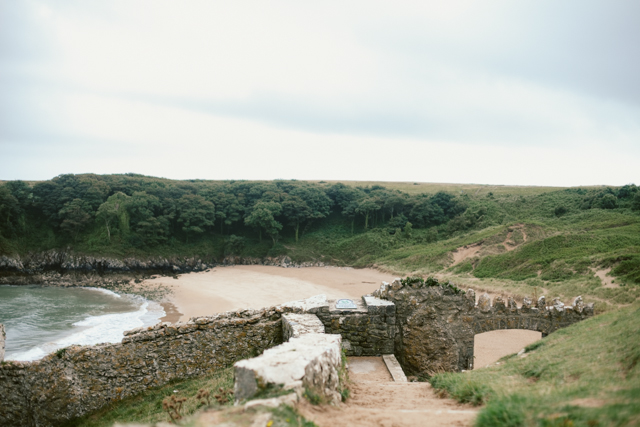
[436, 323]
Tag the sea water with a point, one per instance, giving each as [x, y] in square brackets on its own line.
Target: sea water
[40, 320]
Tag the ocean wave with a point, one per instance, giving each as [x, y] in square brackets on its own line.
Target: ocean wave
[106, 328]
[104, 291]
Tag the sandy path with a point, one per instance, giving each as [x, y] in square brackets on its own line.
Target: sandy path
[378, 401]
[489, 347]
[603, 275]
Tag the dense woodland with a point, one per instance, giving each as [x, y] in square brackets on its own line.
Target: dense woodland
[144, 212]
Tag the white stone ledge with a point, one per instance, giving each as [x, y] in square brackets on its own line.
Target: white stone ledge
[310, 361]
[295, 325]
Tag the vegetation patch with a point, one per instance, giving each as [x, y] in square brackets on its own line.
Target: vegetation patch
[155, 405]
[557, 384]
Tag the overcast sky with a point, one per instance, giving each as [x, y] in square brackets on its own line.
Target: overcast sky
[490, 92]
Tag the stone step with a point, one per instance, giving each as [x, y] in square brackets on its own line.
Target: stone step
[394, 368]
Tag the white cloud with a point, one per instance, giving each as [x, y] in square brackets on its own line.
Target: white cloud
[416, 91]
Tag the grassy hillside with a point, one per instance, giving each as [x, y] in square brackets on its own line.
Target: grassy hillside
[584, 375]
[516, 244]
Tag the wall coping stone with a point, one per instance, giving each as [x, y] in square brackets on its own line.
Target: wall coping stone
[311, 361]
[296, 324]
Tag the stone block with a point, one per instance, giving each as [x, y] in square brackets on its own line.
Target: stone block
[394, 368]
[379, 306]
[315, 304]
[295, 324]
[484, 303]
[313, 359]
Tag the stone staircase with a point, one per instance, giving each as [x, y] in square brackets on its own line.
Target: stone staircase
[380, 397]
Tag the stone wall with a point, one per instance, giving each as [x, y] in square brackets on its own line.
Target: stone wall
[436, 324]
[295, 325]
[78, 380]
[368, 330]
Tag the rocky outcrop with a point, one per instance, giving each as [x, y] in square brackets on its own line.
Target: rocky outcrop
[37, 267]
[67, 261]
[281, 261]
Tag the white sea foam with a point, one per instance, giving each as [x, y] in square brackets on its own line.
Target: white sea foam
[106, 328]
[104, 291]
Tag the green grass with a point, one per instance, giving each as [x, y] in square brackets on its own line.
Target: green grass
[587, 374]
[475, 190]
[147, 407]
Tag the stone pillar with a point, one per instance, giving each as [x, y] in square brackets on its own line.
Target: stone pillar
[3, 336]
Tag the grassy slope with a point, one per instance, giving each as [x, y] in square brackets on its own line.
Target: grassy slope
[587, 374]
[147, 407]
[556, 256]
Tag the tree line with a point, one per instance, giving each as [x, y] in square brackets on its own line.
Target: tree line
[145, 211]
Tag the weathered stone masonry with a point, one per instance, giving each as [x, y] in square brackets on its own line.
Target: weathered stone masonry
[435, 326]
[81, 379]
[367, 330]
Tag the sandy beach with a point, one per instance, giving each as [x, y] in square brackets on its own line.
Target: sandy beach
[255, 286]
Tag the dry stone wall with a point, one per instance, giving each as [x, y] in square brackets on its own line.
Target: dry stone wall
[429, 328]
[295, 325]
[78, 380]
[436, 324]
[367, 330]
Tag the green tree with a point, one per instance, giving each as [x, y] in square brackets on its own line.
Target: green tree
[366, 207]
[228, 208]
[114, 211]
[304, 204]
[262, 217]
[195, 214]
[608, 201]
[296, 210]
[149, 218]
[9, 212]
[636, 202]
[75, 217]
[347, 198]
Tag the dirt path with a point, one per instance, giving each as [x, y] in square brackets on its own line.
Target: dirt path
[603, 275]
[378, 401]
[464, 253]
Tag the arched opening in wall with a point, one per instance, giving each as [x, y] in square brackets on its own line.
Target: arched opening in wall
[489, 347]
